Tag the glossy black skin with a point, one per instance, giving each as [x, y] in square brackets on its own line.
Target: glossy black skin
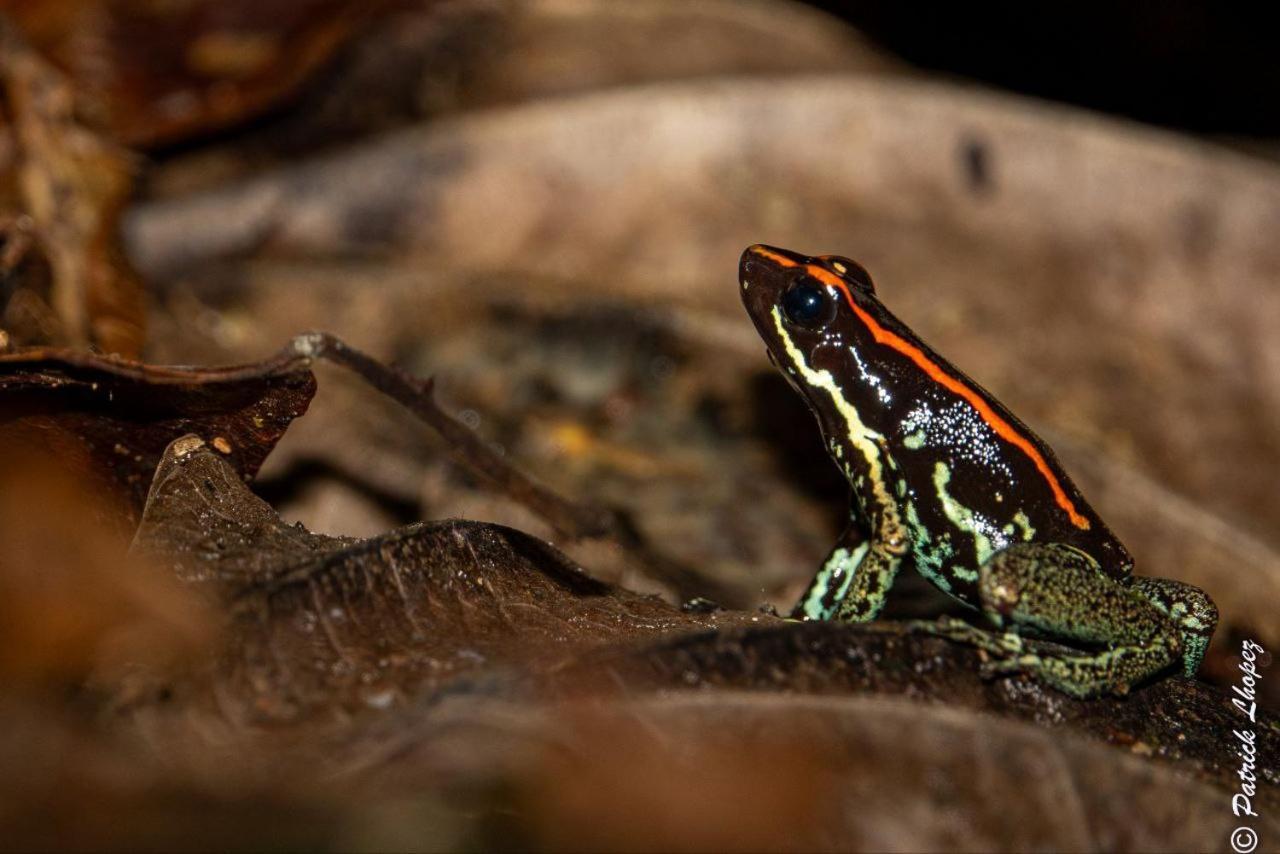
[988, 474]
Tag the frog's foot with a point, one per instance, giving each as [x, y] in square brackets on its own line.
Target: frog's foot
[1066, 669]
[1190, 608]
[1002, 645]
[1061, 593]
[1112, 671]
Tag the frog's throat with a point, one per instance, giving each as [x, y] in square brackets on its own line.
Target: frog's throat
[868, 443]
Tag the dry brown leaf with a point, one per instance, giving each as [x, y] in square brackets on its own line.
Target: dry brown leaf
[327, 625]
[423, 60]
[62, 189]
[153, 73]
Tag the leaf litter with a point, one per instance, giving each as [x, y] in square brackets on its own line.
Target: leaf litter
[345, 653]
[459, 684]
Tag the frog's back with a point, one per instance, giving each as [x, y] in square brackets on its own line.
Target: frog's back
[977, 478]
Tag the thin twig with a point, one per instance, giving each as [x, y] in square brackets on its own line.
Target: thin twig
[570, 519]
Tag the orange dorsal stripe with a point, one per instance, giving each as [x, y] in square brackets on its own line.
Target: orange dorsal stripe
[1003, 428]
[780, 260]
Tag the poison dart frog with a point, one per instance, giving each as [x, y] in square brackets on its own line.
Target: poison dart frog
[944, 477]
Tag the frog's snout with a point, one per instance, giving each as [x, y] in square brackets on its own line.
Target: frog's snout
[764, 274]
[748, 266]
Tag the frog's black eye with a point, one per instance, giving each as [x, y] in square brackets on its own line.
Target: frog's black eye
[851, 271]
[807, 303]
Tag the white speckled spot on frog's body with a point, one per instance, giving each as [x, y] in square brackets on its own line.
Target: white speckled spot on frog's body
[958, 429]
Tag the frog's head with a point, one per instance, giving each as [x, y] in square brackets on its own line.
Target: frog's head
[811, 313]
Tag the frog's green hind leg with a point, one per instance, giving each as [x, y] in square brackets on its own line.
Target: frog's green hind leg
[1060, 592]
[1190, 608]
[852, 583]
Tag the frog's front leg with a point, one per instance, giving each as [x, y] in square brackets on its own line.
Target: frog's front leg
[853, 581]
[1060, 592]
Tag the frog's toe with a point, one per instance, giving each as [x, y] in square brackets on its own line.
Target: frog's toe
[958, 631]
[1003, 666]
[990, 669]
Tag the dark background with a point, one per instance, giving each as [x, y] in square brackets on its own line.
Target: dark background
[1198, 66]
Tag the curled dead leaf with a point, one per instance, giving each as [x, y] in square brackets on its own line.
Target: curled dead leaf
[111, 419]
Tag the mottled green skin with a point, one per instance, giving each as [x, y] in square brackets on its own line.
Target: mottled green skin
[945, 478]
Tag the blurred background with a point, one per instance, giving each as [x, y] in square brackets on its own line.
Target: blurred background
[1191, 66]
[541, 203]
